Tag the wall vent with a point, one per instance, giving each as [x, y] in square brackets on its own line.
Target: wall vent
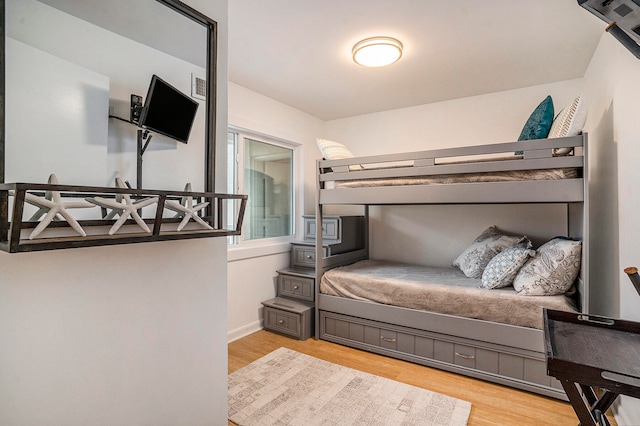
[198, 87]
[623, 10]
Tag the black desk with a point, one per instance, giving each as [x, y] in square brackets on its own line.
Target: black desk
[586, 353]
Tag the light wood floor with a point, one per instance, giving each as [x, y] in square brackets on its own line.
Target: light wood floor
[491, 404]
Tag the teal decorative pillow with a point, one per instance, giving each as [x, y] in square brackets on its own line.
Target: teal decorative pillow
[503, 268]
[539, 123]
[485, 247]
[552, 270]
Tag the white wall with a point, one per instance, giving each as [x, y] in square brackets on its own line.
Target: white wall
[132, 334]
[114, 335]
[252, 270]
[435, 235]
[493, 118]
[252, 111]
[612, 87]
[49, 99]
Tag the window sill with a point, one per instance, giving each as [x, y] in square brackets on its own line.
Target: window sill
[250, 250]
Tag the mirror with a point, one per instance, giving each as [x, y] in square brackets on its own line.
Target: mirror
[71, 67]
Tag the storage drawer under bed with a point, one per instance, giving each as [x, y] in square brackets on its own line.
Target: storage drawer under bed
[476, 359]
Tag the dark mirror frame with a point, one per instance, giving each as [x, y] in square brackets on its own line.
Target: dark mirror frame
[211, 75]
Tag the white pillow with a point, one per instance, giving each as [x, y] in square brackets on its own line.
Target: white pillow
[569, 122]
[552, 270]
[332, 150]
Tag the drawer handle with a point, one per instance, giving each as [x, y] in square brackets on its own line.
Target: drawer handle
[465, 356]
[295, 287]
[596, 320]
[309, 257]
[280, 322]
[386, 339]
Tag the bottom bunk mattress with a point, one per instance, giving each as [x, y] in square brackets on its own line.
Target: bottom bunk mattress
[441, 290]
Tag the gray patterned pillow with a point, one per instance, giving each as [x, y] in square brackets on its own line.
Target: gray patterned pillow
[475, 258]
[552, 270]
[503, 268]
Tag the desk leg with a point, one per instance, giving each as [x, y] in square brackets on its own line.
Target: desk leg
[599, 406]
[589, 394]
[592, 411]
[578, 404]
[603, 403]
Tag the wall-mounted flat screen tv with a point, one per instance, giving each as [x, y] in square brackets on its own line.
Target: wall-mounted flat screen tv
[168, 111]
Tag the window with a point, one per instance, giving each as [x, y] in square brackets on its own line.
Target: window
[262, 168]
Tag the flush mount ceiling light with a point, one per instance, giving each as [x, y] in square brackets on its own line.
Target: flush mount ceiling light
[377, 51]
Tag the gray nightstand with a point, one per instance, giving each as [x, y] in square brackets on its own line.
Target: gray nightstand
[289, 316]
[292, 311]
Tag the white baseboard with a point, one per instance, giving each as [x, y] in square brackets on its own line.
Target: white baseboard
[243, 331]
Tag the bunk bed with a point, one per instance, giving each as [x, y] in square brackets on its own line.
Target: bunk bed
[524, 172]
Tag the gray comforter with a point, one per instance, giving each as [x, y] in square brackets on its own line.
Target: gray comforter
[441, 290]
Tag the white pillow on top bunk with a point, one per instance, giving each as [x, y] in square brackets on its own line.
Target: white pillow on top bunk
[332, 150]
[474, 259]
[569, 122]
[552, 270]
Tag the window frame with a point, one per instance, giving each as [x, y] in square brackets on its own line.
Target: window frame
[241, 134]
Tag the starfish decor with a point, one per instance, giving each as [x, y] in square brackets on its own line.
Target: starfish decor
[52, 205]
[126, 209]
[114, 212]
[187, 210]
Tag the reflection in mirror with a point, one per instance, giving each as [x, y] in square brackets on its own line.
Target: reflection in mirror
[72, 69]
[70, 64]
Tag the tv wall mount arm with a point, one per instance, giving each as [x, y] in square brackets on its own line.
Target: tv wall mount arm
[144, 136]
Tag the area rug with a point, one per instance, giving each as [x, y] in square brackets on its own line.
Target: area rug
[286, 387]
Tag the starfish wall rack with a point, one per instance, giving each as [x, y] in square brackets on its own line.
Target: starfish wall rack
[68, 216]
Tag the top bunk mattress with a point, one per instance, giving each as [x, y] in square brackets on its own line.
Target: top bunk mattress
[498, 176]
[441, 290]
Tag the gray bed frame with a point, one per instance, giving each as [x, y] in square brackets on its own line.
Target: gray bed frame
[500, 353]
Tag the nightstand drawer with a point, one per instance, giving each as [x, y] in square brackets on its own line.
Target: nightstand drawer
[339, 233]
[288, 317]
[295, 287]
[282, 321]
[305, 255]
[330, 228]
